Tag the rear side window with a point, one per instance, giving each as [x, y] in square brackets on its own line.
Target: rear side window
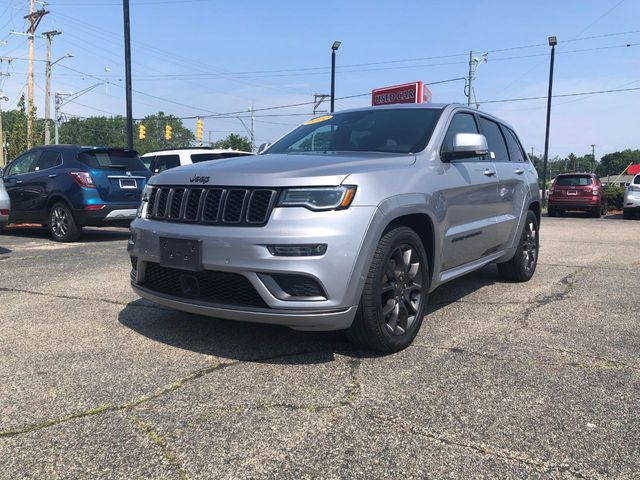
[111, 160]
[48, 159]
[204, 157]
[573, 180]
[164, 162]
[636, 181]
[515, 149]
[495, 140]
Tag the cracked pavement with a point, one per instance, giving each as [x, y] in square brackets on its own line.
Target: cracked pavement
[535, 380]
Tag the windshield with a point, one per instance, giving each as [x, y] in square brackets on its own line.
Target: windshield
[402, 130]
[111, 159]
[573, 181]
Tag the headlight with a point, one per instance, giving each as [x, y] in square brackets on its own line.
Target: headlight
[318, 198]
[633, 189]
[144, 201]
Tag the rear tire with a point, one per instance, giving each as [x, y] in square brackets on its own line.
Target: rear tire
[596, 212]
[62, 225]
[626, 214]
[394, 299]
[523, 264]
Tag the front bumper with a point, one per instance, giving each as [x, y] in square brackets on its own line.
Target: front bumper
[243, 250]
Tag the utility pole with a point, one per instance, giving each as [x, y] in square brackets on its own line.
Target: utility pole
[553, 41]
[253, 127]
[593, 153]
[47, 89]
[472, 74]
[127, 67]
[3, 158]
[531, 153]
[34, 18]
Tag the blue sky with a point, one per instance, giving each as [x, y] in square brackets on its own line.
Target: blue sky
[188, 56]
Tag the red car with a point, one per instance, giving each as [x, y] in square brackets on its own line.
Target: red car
[577, 192]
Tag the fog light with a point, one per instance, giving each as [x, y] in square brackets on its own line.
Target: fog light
[311, 250]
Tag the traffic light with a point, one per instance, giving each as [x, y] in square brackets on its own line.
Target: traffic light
[199, 129]
[168, 132]
[142, 132]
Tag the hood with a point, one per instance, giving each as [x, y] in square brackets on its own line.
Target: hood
[282, 170]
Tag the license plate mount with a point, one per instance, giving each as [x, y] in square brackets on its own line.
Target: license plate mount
[128, 183]
[572, 192]
[181, 253]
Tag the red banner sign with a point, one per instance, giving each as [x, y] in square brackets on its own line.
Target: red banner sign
[415, 92]
[633, 169]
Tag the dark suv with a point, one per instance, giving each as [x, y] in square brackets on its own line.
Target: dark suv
[577, 192]
[69, 186]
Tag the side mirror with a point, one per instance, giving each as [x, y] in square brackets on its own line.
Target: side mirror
[467, 145]
[263, 147]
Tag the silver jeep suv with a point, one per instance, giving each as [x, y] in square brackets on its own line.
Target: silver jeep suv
[347, 222]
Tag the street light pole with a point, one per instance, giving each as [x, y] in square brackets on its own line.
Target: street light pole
[127, 67]
[553, 41]
[334, 48]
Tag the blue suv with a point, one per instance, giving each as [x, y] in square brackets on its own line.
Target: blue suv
[69, 186]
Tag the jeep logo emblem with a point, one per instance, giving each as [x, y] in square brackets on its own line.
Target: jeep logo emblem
[199, 179]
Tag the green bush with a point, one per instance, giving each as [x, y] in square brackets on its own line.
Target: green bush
[615, 197]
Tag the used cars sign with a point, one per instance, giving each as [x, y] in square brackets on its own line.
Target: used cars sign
[415, 92]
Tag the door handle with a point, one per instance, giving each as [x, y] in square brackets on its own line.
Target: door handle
[18, 182]
[489, 173]
[519, 171]
[52, 175]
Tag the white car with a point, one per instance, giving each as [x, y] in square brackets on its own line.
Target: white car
[5, 205]
[163, 160]
[632, 198]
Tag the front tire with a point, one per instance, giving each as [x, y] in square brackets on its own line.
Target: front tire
[394, 299]
[62, 225]
[523, 264]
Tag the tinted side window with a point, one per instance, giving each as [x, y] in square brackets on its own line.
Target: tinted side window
[23, 164]
[164, 162]
[48, 159]
[636, 181]
[497, 148]
[515, 149]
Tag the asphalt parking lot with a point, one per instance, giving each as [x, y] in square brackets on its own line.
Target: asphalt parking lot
[505, 380]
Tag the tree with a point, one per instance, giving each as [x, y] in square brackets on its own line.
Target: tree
[237, 142]
[111, 131]
[615, 163]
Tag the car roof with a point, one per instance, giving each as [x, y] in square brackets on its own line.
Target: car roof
[79, 148]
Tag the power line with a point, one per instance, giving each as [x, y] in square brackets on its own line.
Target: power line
[595, 92]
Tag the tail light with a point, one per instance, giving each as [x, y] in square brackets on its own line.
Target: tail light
[83, 179]
[596, 191]
[4, 212]
[97, 206]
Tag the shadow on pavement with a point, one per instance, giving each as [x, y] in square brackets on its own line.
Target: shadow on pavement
[4, 251]
[267, 343]
[92, 235]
